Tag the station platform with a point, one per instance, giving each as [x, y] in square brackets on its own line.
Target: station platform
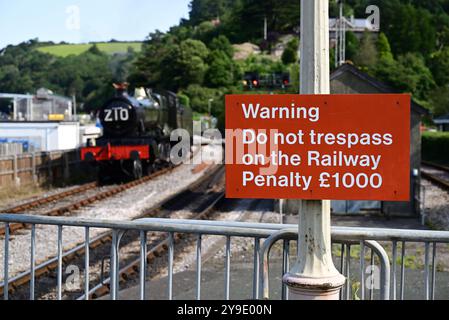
[212, 285]
[184, 284]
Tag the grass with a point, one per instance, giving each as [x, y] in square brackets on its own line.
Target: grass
[65, 50]
[11, 194]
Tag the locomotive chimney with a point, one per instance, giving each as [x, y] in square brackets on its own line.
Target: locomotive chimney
[121, 89]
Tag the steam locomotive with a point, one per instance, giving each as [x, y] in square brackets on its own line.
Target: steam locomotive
[136, 132]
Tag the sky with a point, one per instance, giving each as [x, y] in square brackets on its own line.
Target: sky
[82, 21]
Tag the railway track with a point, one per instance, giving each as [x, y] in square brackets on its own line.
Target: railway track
[200, 197]
[76, 205]
[439, 176]
[44, 200]
[132, 269]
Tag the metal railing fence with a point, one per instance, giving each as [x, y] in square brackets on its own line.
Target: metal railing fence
[351, 246]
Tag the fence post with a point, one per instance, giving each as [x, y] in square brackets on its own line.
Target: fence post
[16, 170]
[49, 167]
[33, 166]
[314, 276]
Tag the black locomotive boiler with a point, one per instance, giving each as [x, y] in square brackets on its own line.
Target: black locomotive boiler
[136, 132]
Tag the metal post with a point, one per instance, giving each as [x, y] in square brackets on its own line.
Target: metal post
[86, 263]
[6, 264]
[341, 26]
[337, 42]
[426, 270]
[395, 255]
[59, 272]
[143, 263]
[198, 268]
[171, 250]
[114, 266]
[265, 29]
[14, 109]
[314, 275]
[32, 261]
[227, 267]
[75, 116]
[29, 110]
[362, 270]
[256, 273]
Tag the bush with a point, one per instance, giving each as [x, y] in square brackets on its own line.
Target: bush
[184, 100]
[435, 147]
[290, 54]
[199, 97]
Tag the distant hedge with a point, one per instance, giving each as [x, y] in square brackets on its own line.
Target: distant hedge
[435, 146]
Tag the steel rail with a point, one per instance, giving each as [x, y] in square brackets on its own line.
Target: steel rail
[44, 200]
[89, 200]
[132, 268]
[442, 183]
[435, 165]
[436, 180]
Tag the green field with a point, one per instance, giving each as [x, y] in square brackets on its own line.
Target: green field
[65, 50]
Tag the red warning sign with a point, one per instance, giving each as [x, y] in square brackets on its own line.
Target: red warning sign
[334, 147]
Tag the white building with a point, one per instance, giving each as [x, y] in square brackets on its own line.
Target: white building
[43, 136]
[43, 106]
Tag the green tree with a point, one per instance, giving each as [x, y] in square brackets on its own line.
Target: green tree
[367, 54]
[94, 49]
[205, 31]
[206, 10]
[184, 100]
[383, 47]
[247, 19]
[199, 97]
[220, 73]
[332, 57]
[168, 63]
[439, 64]
[262, 65]
[189, 63]
[439, 99]
[408, 74]
[409, 28]
[223, 44]
[148, 70]
[352, 45]
[290, 54]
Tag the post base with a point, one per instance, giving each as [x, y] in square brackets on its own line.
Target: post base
[306, 288]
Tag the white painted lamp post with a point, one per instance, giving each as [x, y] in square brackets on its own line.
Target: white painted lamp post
[314, 275]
